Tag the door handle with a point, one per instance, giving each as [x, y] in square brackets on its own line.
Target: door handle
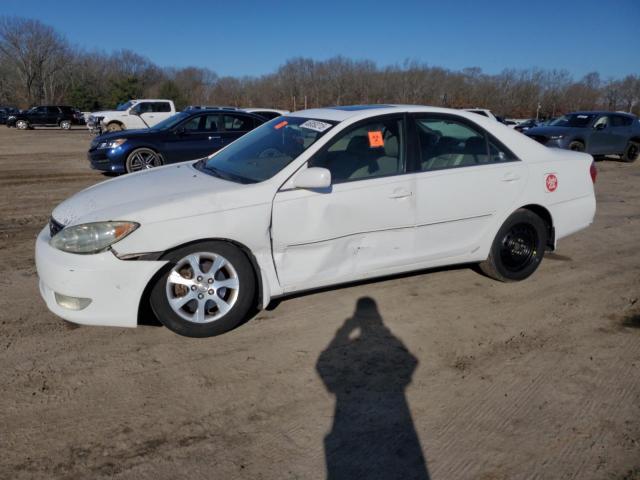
[400, 193]
[510, 177]
[215, 138]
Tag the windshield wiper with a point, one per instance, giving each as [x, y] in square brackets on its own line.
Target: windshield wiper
[202, 165]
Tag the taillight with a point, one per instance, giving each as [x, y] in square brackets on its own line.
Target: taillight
[593, 171]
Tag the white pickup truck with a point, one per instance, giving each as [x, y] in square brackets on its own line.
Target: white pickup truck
[134, 114]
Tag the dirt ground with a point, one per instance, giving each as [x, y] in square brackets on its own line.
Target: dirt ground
[443, 374]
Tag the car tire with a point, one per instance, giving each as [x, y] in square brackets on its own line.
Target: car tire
[518, 247]
[208, 289]
[22, 125]
[576, 146]
[65, 124]
[114, 127]
[631, 152]
[142, 159]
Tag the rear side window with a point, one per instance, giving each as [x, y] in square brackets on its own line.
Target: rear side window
[447, 143]
[161, 107]
[237, 123]
[53, 110]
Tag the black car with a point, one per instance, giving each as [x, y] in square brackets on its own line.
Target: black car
[187, 135]
[47, 116]
[6, 112]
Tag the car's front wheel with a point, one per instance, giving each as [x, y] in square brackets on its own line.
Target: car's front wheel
[209, 289]
[22, 125]
[631, 152]
[142, 159]
[576, 146]
[65, 124]
[518, 247]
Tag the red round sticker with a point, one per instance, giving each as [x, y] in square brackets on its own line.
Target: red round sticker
[552, 182]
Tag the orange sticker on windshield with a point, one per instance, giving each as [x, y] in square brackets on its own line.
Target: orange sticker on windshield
[375, 139]
[281, 124]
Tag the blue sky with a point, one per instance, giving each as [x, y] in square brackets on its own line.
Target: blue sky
[235, 37]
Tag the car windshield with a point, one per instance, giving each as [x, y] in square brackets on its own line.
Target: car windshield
[576, 120]
[263, 152]
[171, 121]
[124, 106]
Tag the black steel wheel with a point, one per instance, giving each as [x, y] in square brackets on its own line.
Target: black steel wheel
[517, 248]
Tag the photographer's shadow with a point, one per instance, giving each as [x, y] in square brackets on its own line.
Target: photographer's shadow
[368, 369]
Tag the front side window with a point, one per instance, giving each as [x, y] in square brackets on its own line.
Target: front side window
[373, 149]
[447, 143]
[264, 151]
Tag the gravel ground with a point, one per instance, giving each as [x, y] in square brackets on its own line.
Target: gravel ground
[443, 374]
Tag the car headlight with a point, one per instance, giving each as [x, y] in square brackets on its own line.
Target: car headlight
[112, 143]
[556, 137]
[91, 237]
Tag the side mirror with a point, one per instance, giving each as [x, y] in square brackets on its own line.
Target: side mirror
[313, 177]
[179, 131]
[134, 111]
[601, 126]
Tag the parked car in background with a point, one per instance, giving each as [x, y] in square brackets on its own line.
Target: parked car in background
[134, 114]
[311, 199]
[185, 136]
[5, 113]
[594, 132]
[267, 113]
[46, 116]
[526, 125]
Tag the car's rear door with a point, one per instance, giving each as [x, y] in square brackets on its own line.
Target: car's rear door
[235, 125]
[361, 224]
[464, 179]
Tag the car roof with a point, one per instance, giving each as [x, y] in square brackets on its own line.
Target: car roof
[342, 113]
[600, 112]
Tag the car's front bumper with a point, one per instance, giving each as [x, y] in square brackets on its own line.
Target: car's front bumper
[114, 286]
[107, 160]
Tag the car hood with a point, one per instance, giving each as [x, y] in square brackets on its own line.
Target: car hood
[551, 131]
[122, 134]
[159, 194]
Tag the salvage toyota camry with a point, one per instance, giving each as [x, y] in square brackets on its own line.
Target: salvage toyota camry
[310, 199]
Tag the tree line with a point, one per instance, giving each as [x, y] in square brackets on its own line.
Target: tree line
[38, 65]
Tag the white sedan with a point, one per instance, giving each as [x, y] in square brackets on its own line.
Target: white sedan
[314, 198]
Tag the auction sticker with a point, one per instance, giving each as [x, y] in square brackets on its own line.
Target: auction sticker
[375, 139]
[283, 123]
[551, 182]
[316, 125]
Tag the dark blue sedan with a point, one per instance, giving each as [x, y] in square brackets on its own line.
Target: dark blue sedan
[185, 136]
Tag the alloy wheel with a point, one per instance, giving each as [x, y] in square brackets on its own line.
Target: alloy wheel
[143, 159]
[202, 287]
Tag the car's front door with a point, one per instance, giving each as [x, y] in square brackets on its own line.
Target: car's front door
[603, 139]
[361, 224]
[38, 116]
[464, 179]
[621, 132]
[53, 115]
[196, 137]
